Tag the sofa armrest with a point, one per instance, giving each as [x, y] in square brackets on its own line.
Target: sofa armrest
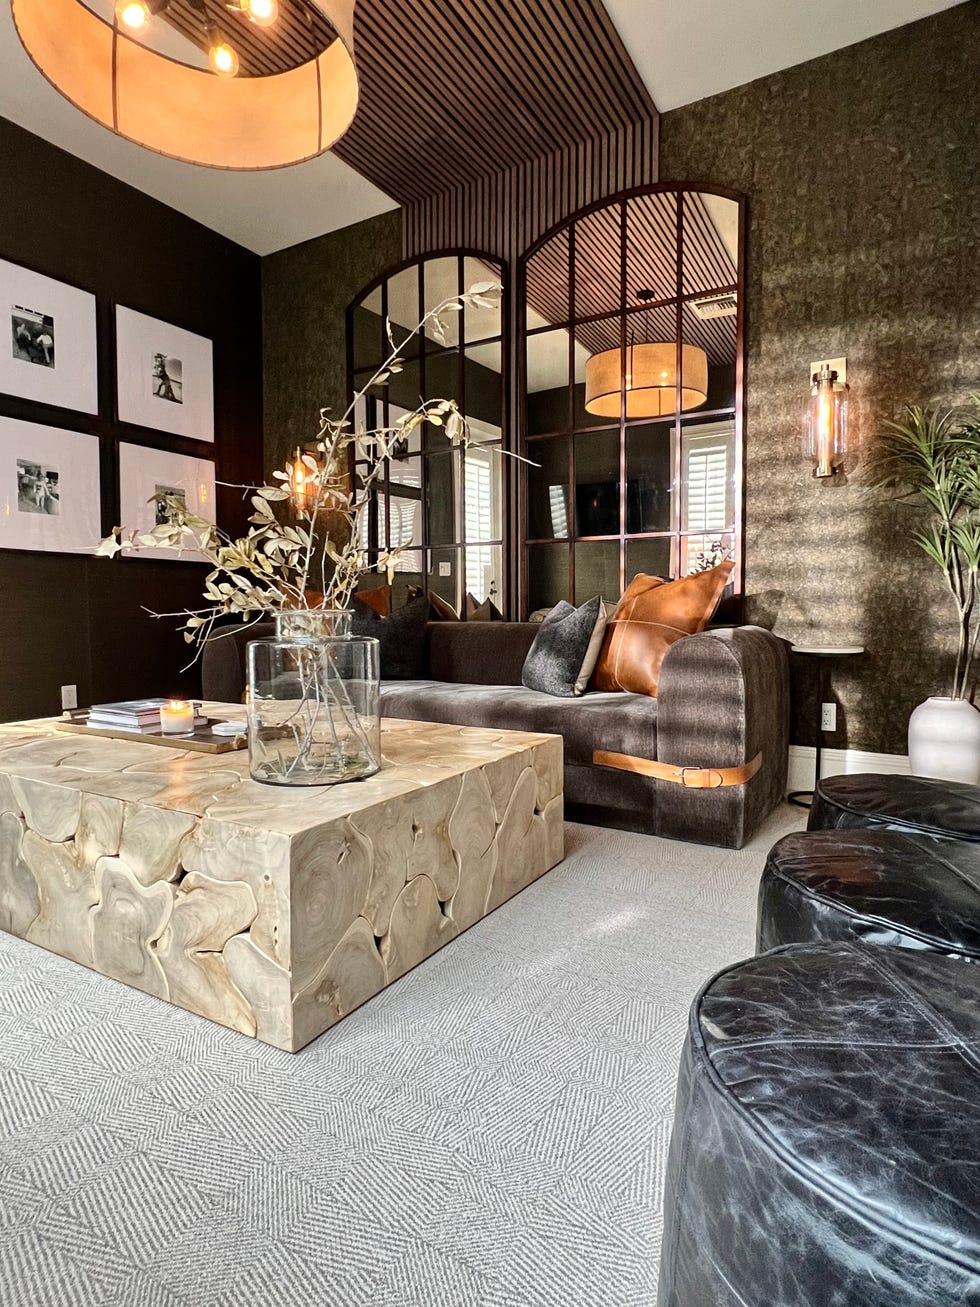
[723, 697]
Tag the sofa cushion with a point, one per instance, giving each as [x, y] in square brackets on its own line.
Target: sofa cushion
[651, 616]
[622, 723]
[565, 649]
[402, 636]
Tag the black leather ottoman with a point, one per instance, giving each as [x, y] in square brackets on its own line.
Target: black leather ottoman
[872, 886]
[827, 1136]
[906, 803]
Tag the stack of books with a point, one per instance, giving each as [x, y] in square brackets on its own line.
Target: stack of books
[132, 715]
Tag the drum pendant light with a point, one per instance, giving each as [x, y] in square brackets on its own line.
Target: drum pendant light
[188, 112]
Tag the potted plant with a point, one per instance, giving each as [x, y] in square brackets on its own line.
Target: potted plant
[930, 461]
[313, 691]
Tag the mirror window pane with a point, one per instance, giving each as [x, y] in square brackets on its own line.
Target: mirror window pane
[652, 557]
[597, 483]
[649, 477]
[598, 262]
[483, 392]
[442, 497]
[480, 323]
[440, 280]
[481, 494]
[483, 568]
[710, 249]
[548, 477]
[547, 283]
[547, 575]
[651, 246]
[597, 571]
[445, 575]
[707, 459]
[701, 552]
[598, 372]
[404, 308]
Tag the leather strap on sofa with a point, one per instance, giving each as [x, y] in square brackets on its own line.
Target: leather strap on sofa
[694, 778]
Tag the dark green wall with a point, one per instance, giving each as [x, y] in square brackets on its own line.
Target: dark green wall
[305, 293]
[862, 172]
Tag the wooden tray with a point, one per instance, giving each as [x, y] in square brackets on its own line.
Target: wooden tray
[202, 741]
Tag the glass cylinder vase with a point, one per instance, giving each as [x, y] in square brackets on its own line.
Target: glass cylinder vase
[314, 711]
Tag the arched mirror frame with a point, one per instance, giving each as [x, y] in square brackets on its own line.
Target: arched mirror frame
[620, 304]
[447, 566]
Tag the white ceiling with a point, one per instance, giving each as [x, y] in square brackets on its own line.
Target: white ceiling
[684, 52]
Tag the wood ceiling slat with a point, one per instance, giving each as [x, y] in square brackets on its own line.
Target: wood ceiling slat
[454, 90]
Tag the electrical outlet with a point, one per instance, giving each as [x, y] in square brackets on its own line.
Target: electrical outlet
[836, 365]
[69, 696]
[828, 717]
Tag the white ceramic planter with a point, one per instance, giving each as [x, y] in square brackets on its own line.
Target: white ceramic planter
[944, 740]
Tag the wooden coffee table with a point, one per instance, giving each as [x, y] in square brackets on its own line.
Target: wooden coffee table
[273, 911]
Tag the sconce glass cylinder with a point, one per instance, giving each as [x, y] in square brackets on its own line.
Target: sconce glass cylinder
[825, 423]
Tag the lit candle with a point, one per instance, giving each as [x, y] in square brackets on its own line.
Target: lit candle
[177, 718]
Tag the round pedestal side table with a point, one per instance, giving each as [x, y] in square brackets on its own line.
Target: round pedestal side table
[825, 655]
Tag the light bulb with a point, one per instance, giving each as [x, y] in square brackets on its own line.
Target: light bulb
[133, 14]
[263, 13]
[222, 58]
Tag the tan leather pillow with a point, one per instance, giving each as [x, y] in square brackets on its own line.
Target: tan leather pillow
[651, 616]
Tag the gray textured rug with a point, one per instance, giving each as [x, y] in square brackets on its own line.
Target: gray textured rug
[491, 1130]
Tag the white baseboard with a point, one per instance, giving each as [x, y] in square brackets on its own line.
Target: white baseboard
[839, 762]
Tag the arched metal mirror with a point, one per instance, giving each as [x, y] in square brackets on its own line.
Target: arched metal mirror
[444, 507]
[631, 358]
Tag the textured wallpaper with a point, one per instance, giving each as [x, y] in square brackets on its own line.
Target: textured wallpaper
[305, 293]
[862, 172]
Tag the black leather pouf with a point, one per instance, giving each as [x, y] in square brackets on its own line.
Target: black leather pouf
[826, 1146]
[906, 803]
[872, 886]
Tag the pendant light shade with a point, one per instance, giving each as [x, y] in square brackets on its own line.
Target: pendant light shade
[188, 113]
[650, 381]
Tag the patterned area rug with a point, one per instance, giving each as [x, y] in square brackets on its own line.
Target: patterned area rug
[492, 1130]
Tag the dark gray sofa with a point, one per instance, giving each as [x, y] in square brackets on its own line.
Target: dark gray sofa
[723, 697]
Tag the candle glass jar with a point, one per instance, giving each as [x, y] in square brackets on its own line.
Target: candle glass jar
[313, 702]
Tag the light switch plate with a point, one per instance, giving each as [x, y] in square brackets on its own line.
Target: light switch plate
[836, 365]
[69, 696]
[445, 569]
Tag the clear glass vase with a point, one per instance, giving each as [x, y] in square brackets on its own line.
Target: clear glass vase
[314, 713]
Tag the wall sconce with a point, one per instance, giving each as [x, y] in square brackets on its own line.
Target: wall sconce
[304, 473]
[305, 470]
[825, 417]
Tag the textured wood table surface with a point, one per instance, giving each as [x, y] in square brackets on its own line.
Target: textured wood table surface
[275, 911]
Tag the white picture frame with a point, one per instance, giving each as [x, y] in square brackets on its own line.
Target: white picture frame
[164, 376]
[49, 489]
[145, 473]
[50, 340]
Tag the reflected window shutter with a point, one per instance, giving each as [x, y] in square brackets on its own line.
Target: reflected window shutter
[706, 487]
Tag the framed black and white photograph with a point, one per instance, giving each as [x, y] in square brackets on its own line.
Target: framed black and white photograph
[49, 488]
[150, 480]
[164, 376]
[49, 349]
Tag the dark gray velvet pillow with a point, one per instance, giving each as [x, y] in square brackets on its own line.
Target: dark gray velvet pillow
[402, 637]
[568, 638]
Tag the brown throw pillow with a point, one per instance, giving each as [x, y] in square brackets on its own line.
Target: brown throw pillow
[651, 616]
[378, 598]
